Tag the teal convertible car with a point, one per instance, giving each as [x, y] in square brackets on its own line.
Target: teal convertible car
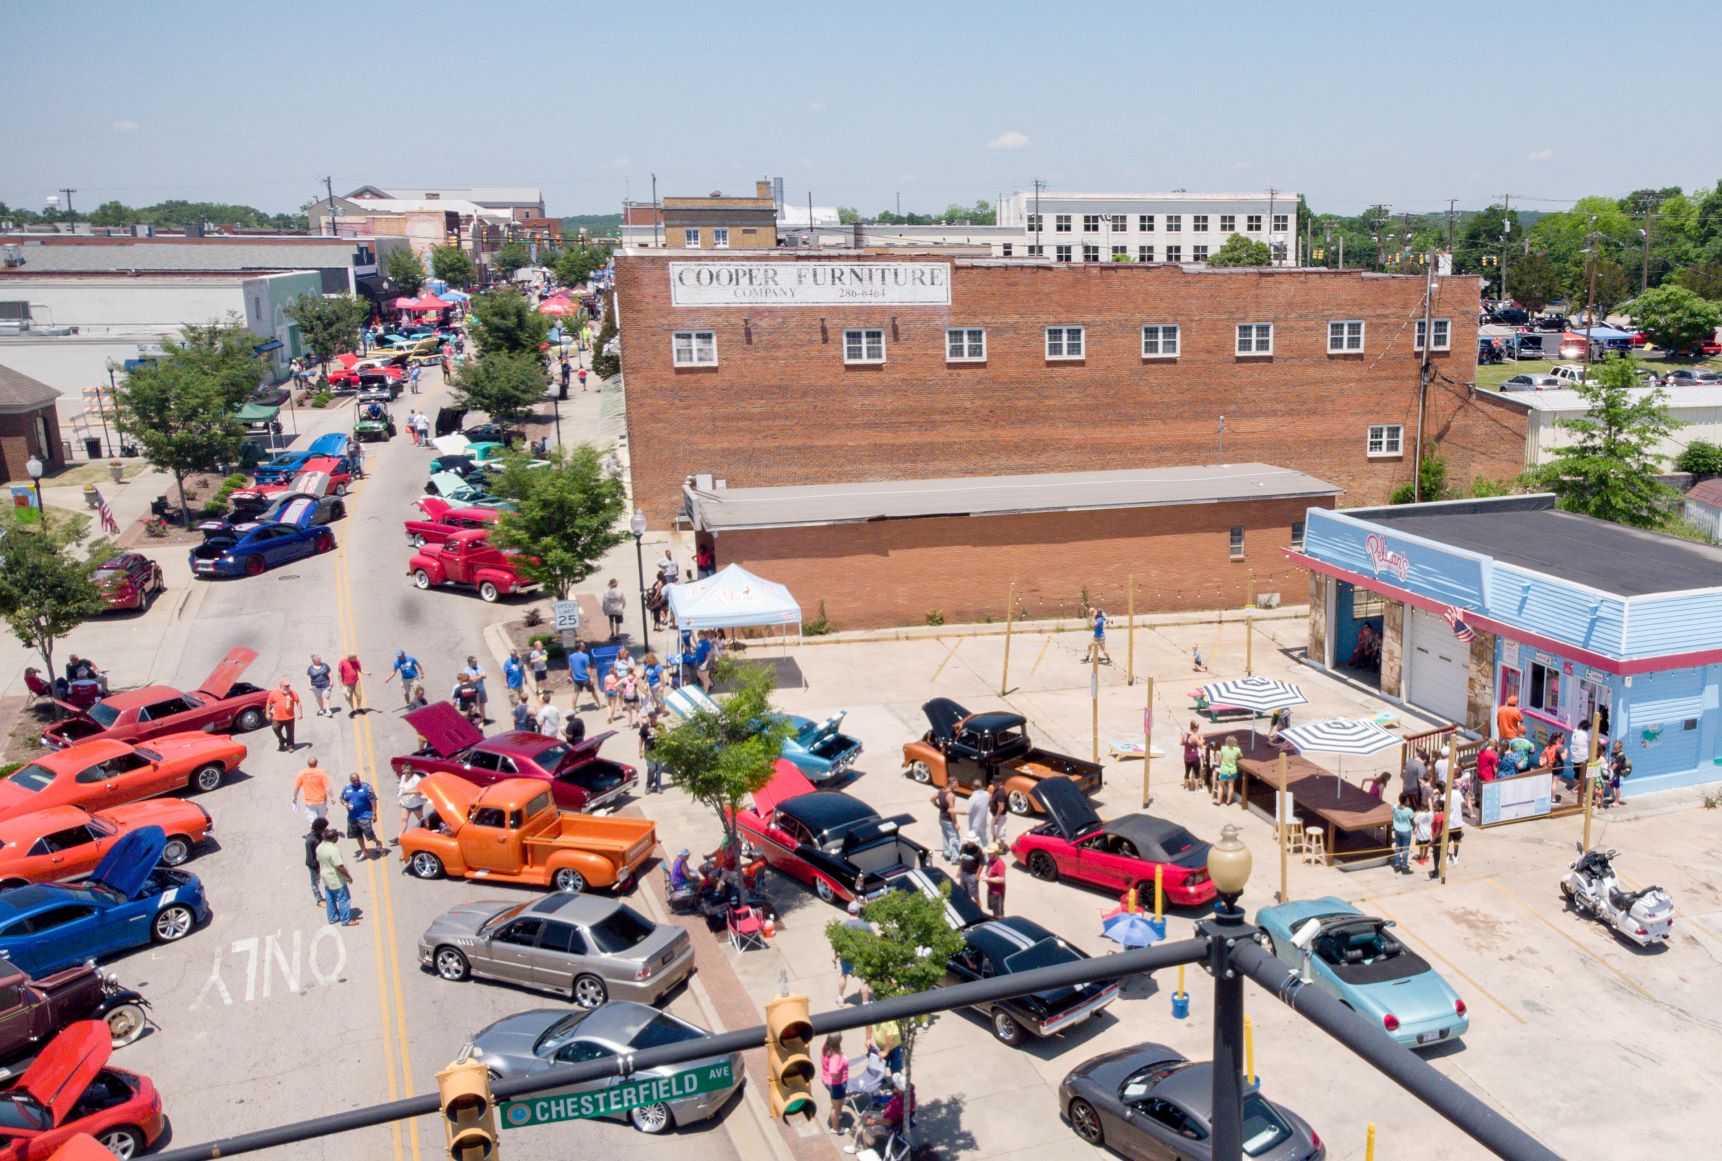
[1355, 957]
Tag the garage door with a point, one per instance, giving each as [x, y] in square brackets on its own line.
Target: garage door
[1438, 664]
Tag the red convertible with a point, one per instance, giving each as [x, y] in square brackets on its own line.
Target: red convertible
[222, 704]
[579, 779]
[69, 1089]
[130, 581]
[1116, 855]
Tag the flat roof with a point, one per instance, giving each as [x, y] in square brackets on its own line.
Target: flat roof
[1530, 532]
[1564, 401]
[854, 503]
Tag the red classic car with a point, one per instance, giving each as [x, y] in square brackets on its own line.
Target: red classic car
[1116, 855]
[102, 773]
[442, 520]
[319, 476]
[579, 779]
[130, 580]
[222, 703]
[69, 1089]
[66, 842]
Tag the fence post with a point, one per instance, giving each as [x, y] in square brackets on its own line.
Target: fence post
[1010, 619]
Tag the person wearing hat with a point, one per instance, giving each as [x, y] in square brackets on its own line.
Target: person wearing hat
[846, 969]
[679, 880]
[969, 863]
[995, 880]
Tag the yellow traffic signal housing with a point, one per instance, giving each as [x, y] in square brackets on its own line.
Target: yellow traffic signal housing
[788, 1050]
[468, 1112]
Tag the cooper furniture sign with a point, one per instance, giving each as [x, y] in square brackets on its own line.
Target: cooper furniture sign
[810, 283]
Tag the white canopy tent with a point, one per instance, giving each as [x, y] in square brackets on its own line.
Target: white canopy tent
[733, 598]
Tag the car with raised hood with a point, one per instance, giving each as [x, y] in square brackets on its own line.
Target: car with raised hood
[101, 774]
[221, 704]
[512, 833]
[130, 580]
[468, 560]
[819, 749]
[999, 947]
[66, 842]
[578, 778]
[33, 1009]
[456, 490]
[289, 463]
[330, 508]
[825, 839]
[69, 1089]
[253, 549]
[442, 520]
[128, 901]
[967, 751]
[590, 948]
[318, 476]
[1356, 958]
[1149, 1101]
[528, 1043]
[1116, 855]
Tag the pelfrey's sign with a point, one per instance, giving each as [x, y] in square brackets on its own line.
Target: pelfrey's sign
[792, 283]
[1384, 559]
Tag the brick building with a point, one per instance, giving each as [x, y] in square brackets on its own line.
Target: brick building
[29, 425]
[775, 370]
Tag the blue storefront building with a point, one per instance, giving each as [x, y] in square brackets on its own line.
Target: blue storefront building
[1452, 607]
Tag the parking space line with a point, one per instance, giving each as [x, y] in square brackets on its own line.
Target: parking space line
[1544, 920]
[1429, 950]
[953, 652]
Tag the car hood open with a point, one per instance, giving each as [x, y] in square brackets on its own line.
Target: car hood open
[1067, 806]
[786, 782]
[451, 796]
[226, 672]
[445, 728]
[943, 714]
[67, 1066]
[127, 865]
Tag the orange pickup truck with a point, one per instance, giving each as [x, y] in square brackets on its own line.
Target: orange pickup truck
[511, 832]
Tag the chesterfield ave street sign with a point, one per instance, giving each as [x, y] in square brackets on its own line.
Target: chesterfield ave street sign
[619, 1097]
[798, 283]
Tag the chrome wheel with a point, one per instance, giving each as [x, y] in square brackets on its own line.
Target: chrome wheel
[1006, 1029]
[823, 889]
[125, 1024]
[1086, 1122]
[488, 592]
[172, 923]
[425, 865]
[206, 778]
[919, 772]
[1019, 803]
[177, 851]
[451, 964]
[589, 991]
[421, 579]
[569, 880]
[248, 720]
[651, 1119]
[123, 1142]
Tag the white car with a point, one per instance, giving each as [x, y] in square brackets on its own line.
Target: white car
[1533, 383]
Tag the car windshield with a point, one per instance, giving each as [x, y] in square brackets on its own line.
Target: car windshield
[1043, 954]
[664, 1029]
[110, 576]
[1264, 1128]
[502, 917]
[1139, 1084]
[19, 1110]
[620, 930]
[31, 777]
[103, 714]
[551, 757]
[562, 1029]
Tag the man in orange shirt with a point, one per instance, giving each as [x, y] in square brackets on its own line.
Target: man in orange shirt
[314, 785]
[1510, 720]
[282, 707]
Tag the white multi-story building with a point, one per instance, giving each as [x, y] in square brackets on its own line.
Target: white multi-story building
[1146, 227]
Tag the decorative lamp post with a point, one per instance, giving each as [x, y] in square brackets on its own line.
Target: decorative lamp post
[1229, 868]
[637, 525]
[36, 467]
[101, 409]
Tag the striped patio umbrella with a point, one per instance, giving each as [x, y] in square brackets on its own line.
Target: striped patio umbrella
[1339, 736]
[1262, 695]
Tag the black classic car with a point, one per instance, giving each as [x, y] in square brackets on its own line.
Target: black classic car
[998, 947]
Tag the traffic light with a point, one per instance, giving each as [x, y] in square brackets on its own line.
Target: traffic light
[468, 1112]
[788, 1050]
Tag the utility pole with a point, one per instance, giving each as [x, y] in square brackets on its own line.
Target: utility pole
[899, 204]
[1423, 379]
[329, 202]
[1272, 193]
[1342, 251]
[1451, 202]
[1506, 229]
[1039, 251]
[1644, 280]
[1378, 218]
[1590, 306]
[657, 215]
[71, 215]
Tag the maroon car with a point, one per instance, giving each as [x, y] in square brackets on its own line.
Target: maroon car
[579, 779]
[33, 1010]
[130, 580]
[222, 704]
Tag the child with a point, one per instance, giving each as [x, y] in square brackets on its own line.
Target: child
[539, 660]
[612, 689]
[1196, 661]
[1422, 829]
[630, 690]
[834, 1069]
[1378, 787]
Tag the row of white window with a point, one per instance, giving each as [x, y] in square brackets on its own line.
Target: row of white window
[969, 344]
[1174, 223]
[1091, 253]
[720, 238]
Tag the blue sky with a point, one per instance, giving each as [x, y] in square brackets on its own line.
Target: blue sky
[1348, 103]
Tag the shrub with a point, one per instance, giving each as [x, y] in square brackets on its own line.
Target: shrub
[1701, 458]
[935, 616]
[213, 508]
[534, 616]
[322, 399]
[819, 626]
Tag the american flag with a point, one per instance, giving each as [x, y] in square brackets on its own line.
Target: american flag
[1456, 618]
[109, 524]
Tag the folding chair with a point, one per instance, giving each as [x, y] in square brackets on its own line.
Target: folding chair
[866, 1074]
[746, 928]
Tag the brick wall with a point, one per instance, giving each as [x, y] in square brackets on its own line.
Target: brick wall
[782, 408]
[893, 572]
[19, 441]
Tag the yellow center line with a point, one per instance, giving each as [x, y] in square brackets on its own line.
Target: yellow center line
[1543, 919]
[1428, 950]
[953, 652]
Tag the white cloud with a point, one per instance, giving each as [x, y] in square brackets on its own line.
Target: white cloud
[816, 106]
[1010, 140]
[1540, 155]
[126, 126]
[621, 164]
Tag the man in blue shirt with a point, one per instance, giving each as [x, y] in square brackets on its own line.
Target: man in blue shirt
[1099, 644]
[514, 677]
[411, 673]
[703, 661]
[361, 803]
[580, 671]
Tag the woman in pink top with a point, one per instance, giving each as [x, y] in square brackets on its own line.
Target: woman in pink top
[834, 1070]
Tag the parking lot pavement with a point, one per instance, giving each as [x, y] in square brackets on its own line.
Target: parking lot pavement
[1562, 1013]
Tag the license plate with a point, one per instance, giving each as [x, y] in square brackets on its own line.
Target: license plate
[1431, 1037]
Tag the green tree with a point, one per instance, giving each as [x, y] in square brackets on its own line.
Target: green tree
[329, 323]
[848, 215]
[1610, 468]
[1613, 287]
[1240, 251]
[604, 364]
[568, 515]
[577, 264]
[1533, 281]
[113, 214]
[1701, 458]
[502, 384]
[1673, 317]
[503, 322]
[905, 952]
[1433, 477]
[405, 269]
[180, 411]
[46, 591]
[1703, 279]
[720, 757]
[453, 265]
[511, 257]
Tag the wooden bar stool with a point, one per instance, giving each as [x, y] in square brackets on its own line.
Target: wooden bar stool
[1314, 843]
[1294, 839]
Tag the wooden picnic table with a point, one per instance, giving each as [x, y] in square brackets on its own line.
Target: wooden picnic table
[1354, 819]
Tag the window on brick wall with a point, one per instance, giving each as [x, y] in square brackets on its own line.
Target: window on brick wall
[1064, 342]
[965, 345]
[1144, 253]
[691, 239]
[1091, 223]
[1255, 339]
[1145, 223]
[1344, 337]
[1443, 334]
[1160, 342]
[1199, 223]
[1228, 223]
[1061, 223]
[1297, 536]
[1121, 222]
[1385, 439]
[1174, 223]
[1252, 223]
[864, 346]
[1061, 253]
[694, 348]
[1198, 253]
[720, 238]
[1174, 253]
[1090, 253]
[1236, 542]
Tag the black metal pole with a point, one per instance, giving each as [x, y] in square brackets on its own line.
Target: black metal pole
[41, 509]
[1224, 932]
[640, 562]
[556, 409]
[102, 414]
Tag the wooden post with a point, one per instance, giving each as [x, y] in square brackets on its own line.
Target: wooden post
[1130, 662]
[1249, 645]
[1147, 740]
[1010, 618]
[1447, 812]
[1280, 827]
[1094, 694]
[1589, 790]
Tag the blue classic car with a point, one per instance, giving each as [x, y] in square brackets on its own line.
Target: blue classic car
[1356, 958]
[817, 749]
[128, 901]
[250, 549]
[286, 465]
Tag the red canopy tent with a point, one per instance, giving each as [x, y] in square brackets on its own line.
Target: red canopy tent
[431, 302]
[557, 305]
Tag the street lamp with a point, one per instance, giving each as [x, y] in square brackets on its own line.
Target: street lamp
[36, 467]
[102, 411]
[1229, 868]
[637, 525]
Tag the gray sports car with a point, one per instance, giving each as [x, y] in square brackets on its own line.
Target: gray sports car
[593, 948]
[1150, 1102]
[530, 1042]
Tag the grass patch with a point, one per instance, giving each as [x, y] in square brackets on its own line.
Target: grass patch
[59, 519]
[95, 472]
[1494, 374]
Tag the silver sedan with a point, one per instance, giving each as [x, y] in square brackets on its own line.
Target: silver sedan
[592, 948]
[531, 1042]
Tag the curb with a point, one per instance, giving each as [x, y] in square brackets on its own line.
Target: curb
[1060, 625]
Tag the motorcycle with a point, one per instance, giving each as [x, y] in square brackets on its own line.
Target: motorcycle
[1591, 885]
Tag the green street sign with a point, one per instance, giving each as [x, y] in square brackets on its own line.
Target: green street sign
[619, 1097]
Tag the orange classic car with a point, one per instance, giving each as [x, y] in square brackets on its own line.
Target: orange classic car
[99, 775]
[66, 842]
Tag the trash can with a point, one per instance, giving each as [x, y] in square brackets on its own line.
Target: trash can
[93, 448]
